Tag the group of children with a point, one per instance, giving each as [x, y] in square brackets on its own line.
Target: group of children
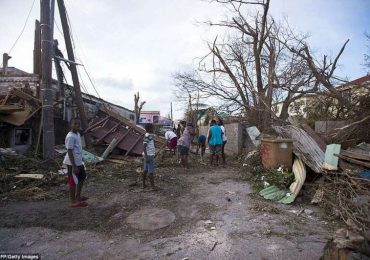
[180, 143]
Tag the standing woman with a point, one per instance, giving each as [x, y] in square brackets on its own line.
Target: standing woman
[214, 138]
[224, 140]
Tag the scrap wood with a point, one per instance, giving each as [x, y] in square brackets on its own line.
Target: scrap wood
[129, 123]
[318, 197]
[23, 95]
[116, 161]
[345, 165]
[110, 148]
[117, 157]
[304, 146]
[355, 161]
[29, 176]
[17, 118]
[356, 155]
[346, 200]
[7, 109]
[346, 127]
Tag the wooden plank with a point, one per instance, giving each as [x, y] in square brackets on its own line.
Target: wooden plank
[116, 161]
[33, 113]
[25, 96]
[72, 65]
[127, 122]
[96, 124]
[108, 132]
[356, 155]
[29, 176]
[10, 108]
[38, 137]
[133, 146]
[110, 148]
[331, 161]
[6, 99]
[358, 162]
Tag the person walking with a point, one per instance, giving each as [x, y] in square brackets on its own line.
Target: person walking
[214, 138]
[224, 140]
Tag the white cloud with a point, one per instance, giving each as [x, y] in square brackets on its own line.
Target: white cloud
[130, 46]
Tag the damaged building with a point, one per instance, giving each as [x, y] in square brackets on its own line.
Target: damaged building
[20, 108]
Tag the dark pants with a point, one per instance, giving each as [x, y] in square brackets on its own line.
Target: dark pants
[81, 174]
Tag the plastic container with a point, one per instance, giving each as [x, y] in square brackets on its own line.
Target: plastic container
[277, 152]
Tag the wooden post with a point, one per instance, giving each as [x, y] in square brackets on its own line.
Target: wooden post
[73, 68]
[171, 117]
[37, 54]
[110, 148]
[46, 90]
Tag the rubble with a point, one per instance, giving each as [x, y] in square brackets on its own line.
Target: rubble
[304, 146]
[343, 190]
[109, 125]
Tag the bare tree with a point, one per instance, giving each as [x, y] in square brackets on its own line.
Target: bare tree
[367, 54]
[138, 107]
[251, 67]
[188, 94]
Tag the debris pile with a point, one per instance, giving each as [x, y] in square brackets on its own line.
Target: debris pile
[18, 106]
[341, 181]
[118, 132]
[24, 178]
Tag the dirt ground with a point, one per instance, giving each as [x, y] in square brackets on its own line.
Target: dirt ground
[214, 214]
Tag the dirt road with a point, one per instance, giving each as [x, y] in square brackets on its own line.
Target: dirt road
[206, 213]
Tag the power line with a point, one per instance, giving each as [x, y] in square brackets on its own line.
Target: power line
[24, 26]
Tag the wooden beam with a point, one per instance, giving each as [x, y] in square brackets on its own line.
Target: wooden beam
[96, 124]
[73, 68]
[33, 113]
[108, 132]
[10, 108]
[133, 146]
[110, 148]
[19, 93]
[37, 51]
[113, 144]
[158, 139]
[6, 99]
[358, 162]
[356, 155]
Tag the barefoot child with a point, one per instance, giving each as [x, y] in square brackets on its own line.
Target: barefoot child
[76, 169]
[149, 153]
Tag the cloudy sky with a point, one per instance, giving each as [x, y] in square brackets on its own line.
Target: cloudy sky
[130, 45]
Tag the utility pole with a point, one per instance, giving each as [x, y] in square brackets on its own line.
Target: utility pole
[171, 116]
[37, 51]
[46, 90]
[73, 68]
